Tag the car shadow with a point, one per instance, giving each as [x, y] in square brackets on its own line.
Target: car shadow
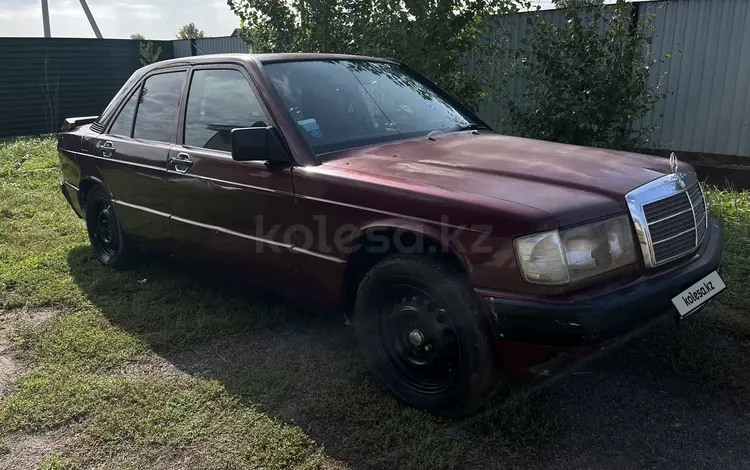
[301, 366]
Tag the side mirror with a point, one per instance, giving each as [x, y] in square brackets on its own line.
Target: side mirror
[258, 144]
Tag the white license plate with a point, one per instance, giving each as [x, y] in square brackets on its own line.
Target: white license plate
[698, 294]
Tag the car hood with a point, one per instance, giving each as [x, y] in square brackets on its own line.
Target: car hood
[572, 183]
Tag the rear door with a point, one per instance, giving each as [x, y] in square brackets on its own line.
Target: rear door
[238, 214]
[132, 156]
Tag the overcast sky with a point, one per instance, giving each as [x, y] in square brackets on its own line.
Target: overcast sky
[155, 19]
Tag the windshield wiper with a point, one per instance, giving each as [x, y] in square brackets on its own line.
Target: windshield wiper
[457, 128]
[466, 127]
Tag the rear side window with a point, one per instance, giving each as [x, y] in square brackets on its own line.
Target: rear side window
[123, 125]
[220, 100]
[126, 88]
[156, 118]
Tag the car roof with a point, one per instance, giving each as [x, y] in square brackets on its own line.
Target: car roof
[262, 58]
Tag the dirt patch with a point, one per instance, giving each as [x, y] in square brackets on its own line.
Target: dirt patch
[9, 367]
[13, 361]
[28, 450]
[630, 410]
[23, 450]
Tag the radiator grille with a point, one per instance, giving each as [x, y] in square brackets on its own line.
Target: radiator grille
[699, 206]
[676, 224]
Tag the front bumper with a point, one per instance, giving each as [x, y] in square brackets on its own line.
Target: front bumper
[597, 320]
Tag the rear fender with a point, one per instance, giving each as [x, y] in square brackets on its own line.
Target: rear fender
[88, 182]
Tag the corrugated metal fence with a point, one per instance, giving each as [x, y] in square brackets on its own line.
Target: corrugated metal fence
[707, 108]
[707, 80]
[182, 47]
[43, 81]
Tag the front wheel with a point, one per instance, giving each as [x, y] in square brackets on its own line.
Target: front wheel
[421, 333]
[111, 245]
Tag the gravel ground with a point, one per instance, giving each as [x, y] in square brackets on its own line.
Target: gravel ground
[622, 414]
[630, 409]
[624, 410]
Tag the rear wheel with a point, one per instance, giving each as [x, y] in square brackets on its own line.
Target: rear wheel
[422, 335]
[110, 244]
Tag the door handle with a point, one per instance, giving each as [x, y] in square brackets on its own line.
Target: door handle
[181, 162]
[107, 148]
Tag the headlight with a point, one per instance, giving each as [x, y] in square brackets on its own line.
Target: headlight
[576, 253]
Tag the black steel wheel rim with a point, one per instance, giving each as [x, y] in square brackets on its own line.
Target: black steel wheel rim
[104, 229]
[417, 339]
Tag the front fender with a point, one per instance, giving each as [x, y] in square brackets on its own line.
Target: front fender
[442, 235]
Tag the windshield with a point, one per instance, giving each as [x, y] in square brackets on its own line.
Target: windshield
[345, 104]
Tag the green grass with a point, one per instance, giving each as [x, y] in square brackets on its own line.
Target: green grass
[733, 208]
[714, 350]
[168, 367]
[113, 320]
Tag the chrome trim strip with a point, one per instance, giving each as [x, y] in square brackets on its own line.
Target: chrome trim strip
[391, 214]
[124, 162]
[705, 215]
[206, 226]
[141, 208]
[667, 218]
[695, 221]
[705, 211]
[678, 255]
[72, 186]
[675, 236]
[656, 190]
[214, 227]
[219, 182]
[232, 232]
[318, 255]
[187, 175]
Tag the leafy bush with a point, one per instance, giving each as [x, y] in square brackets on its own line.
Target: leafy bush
[432, 37]
[149, 53]
[587, 82]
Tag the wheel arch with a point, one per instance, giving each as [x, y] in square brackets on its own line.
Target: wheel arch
[86, 184]
[410, 233]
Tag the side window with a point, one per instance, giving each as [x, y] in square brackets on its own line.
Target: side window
[123, 125]
[157, 112]
[219, 101]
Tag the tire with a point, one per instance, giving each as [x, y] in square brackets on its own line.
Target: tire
[111, 246]
[422, 335]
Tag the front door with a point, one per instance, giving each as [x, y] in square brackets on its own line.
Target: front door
[132, 157]
[233, 214]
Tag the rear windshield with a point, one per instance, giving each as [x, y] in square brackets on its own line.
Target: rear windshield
[345, 104]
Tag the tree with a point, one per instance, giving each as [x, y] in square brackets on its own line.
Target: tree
[149, 53]
[587, 82]
[189, 31]
[433, 37]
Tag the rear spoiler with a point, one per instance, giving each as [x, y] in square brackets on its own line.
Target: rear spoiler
[72, 123]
